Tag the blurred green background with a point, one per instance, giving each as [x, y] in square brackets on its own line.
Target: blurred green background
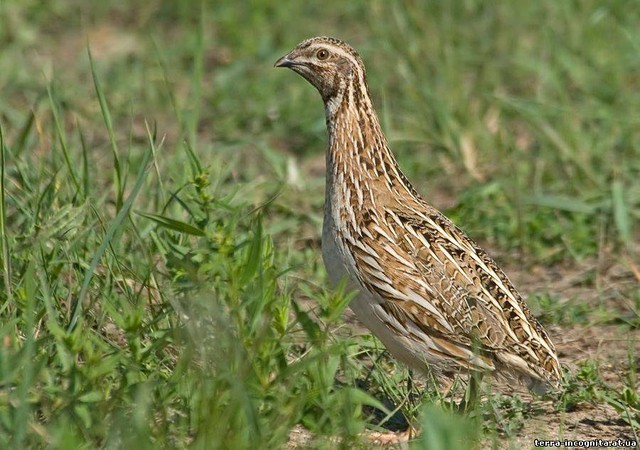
[163, 191]
[536, 103]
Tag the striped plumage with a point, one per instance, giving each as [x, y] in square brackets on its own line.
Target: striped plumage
[436, 300]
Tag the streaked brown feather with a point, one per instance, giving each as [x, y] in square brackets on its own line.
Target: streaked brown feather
[434, 297]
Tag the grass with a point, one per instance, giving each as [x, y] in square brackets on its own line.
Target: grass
[161, 207]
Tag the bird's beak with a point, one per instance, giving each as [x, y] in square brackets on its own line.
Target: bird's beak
[285, 61]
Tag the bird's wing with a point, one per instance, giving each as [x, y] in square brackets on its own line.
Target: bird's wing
[433, 276]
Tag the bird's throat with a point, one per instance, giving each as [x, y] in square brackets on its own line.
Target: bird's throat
[356, 141]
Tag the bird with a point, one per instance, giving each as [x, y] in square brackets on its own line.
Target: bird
[437, 301]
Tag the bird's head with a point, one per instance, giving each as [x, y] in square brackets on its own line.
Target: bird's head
[328, 64]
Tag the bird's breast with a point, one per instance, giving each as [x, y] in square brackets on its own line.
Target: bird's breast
[333, 252]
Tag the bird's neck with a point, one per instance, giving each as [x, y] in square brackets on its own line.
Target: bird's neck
[358, 152]
[356, 140]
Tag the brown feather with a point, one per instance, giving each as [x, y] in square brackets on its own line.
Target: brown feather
[434, 298]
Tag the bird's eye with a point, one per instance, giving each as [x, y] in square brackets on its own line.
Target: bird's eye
[322, 54]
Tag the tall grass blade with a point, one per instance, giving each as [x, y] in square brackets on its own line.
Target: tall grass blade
[86, 177]
[196, 83]
[62, 139]
[106, 115]
[25, 131]
[114, 228]
[4, 242]
[22, 413]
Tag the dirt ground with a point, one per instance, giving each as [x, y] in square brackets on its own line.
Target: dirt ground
[609, 347]
[613, 280]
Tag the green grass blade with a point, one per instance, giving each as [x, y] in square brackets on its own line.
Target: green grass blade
[561, 203]
[621, 214]
[115, 226]
[4, 242]
[62, 139]
[168, 83]
[106, 115]
[49, 302]
[86, 177]
[198, 69]
[194, 161]
[25, 130]
[22, 413]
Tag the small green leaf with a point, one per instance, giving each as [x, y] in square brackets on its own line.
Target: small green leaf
[82, 411]
[91, 397]
[172, 224]
[359, 396]
[309, 326]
